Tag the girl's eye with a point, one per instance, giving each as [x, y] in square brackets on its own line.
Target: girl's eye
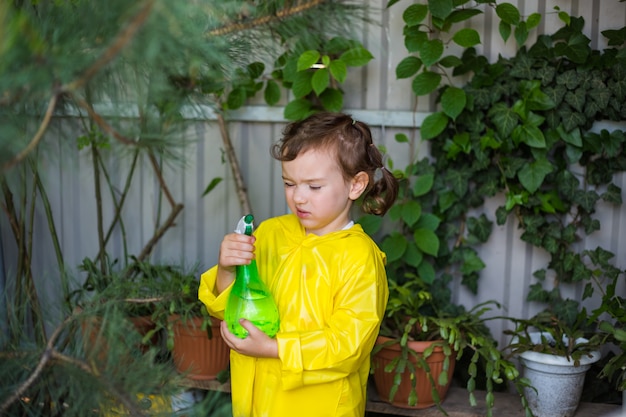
[288, 184]
[315, 187]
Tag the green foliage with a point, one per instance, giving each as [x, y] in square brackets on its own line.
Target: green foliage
[157, 57]
[315, 76]
[520, 128]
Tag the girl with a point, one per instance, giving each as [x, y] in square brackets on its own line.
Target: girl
[326, 275]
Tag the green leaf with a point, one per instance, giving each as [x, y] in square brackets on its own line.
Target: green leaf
[415, 14]
[356, 57]
[530, 135]
[425, 83]
[453, 101]
[427, 241]
[471, 262]
[458, 180]
[408, 67]
[613, 194]
[573, 137]
[571, 119]
[521, 33]
[411, 212]
[440, 8]
[332, 99]
[320, 80]
[615, 37]
[394, 246]
[211, 185]
[414, 39]
[338, 70]
[413, 256]
[460, 15]
[508, 13]
[236, 98]
[302, 84]
[576, 99]
[428, 221]
[423, 184]
[307, 59]
[450, 61]
[576, 49]
[426, 272]
[256, 69]
[272, 92]
[433, 125]
[532, 174]
[401, 138]
[370, 223]
[480, 228]
[466, 37]
[297, 109]
[430, 52]
[505, 30]
[446, 199]
[504, 119]
[533, 20]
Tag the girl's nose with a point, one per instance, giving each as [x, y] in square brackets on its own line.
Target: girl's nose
[298, 195]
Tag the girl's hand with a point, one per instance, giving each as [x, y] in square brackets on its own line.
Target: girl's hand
[236, 249]
[256, 344]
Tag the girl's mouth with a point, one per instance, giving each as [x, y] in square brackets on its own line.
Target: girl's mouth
[302, 213]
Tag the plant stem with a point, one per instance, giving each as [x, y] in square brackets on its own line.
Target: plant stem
[242, 191]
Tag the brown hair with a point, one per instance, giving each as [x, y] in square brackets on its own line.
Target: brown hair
[351, 143]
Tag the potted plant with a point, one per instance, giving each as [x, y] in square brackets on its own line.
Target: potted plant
[193, 337]
[419, 344]
[421, 322]
[556, 348]
[129, 290]
[555, 356]
[519, 128]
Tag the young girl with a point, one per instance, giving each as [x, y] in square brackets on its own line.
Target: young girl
[326, 275]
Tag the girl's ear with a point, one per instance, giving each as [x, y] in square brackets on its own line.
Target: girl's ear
[358, 185]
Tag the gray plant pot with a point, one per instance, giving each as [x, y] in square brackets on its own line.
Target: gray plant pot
[558, 383]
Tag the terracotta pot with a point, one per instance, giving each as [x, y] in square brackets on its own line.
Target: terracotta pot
[194, 354]
[384, 380]
[97, 346]
[144, 324]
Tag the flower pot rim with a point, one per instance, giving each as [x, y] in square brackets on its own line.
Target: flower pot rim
[416, 345]
[556, 360]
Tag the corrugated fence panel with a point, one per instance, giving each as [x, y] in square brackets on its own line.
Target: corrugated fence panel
[375, 95]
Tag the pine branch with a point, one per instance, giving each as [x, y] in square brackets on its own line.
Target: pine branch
[240, 186]
[123, 38]
[49, 354]
[160, 232]
[35, 140]
[264, 20]
[159, 175]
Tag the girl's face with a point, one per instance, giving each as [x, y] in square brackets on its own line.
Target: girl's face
[317, 193]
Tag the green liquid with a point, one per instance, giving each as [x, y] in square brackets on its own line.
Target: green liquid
[255, 306]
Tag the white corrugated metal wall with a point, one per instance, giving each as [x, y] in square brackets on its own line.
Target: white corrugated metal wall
[372, 94]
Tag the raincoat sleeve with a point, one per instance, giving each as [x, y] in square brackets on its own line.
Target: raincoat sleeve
[207, 293]
[343, 346]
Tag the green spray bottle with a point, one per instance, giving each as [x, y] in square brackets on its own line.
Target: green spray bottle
[250, 298]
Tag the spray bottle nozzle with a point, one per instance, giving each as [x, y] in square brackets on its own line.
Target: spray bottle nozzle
[245, 225]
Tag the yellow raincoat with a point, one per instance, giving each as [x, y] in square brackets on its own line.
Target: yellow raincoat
[331, 293]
